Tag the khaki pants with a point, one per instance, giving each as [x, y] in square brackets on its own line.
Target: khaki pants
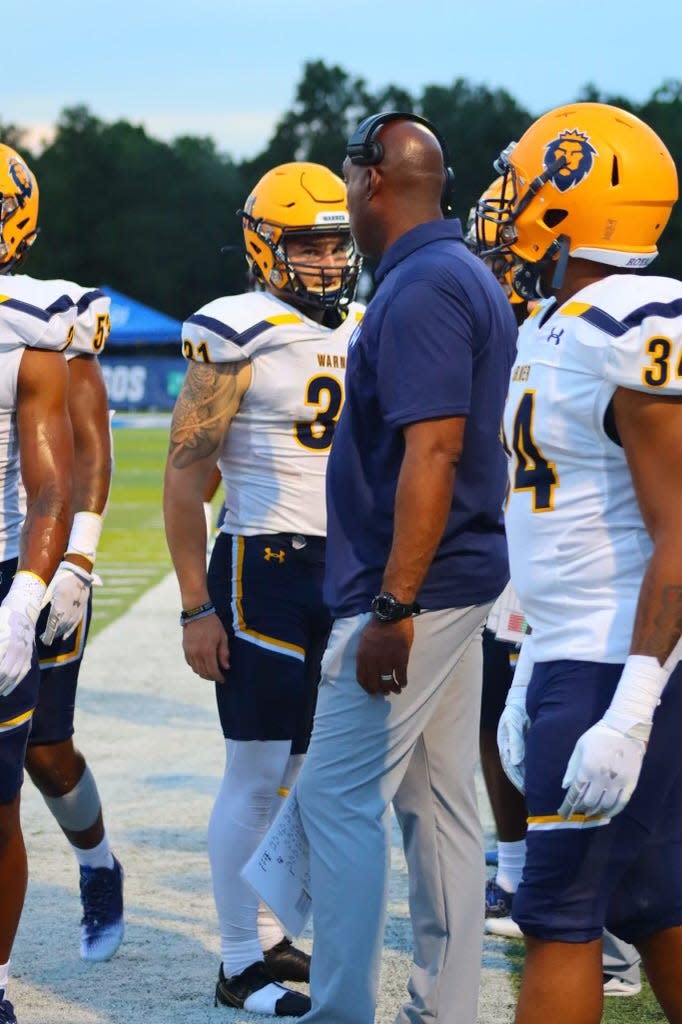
[418, 749]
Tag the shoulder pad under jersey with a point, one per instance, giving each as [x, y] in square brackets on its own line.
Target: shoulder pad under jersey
[235, 327]
[93, 324]
[640, 322]
[35, 314]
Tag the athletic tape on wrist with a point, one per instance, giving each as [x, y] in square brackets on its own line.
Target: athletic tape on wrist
[85, 535]
[637, 695]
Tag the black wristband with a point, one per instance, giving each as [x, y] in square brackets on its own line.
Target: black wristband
[189, 614]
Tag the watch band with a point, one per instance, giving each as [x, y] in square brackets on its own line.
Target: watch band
[387, 608]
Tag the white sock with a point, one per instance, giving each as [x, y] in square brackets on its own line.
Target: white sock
[4, 978]
[244, 808]
[510, 860]
[99, 856]
[269, 929]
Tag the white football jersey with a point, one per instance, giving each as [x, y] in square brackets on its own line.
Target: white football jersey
[12, 508]
[578, 546]
[274, 456]
[35, 314]
[92, 323]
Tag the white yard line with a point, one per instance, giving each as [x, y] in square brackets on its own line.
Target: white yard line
[149, 730]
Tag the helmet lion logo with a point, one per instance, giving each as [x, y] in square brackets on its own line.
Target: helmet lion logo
[19, 174]
[575, 146]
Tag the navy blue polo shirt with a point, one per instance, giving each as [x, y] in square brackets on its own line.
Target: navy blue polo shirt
[437, 340]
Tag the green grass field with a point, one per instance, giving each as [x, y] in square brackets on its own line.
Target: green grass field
[641, 1009]
[133, 557]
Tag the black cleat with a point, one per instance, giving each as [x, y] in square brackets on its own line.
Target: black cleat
[287, 963]
[238, 990]
[6, 1011]
[102, 924]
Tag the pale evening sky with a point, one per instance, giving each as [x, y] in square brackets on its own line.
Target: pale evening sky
[229, 70]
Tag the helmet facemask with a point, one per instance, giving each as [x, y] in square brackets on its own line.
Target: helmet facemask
[496, 231]
[481, 238]
[291, 203]
[309, 283]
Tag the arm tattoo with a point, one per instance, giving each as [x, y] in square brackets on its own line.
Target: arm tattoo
[207, 402]
[660, 632]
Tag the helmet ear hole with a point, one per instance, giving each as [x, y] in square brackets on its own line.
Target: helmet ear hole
[552, 218]
[615, 178]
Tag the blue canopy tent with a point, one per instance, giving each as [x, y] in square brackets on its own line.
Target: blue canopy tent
[141, 362]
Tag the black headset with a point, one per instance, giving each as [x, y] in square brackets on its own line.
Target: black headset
[363, 149]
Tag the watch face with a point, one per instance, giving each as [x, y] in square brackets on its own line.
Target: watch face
[387, 608]
[384, 607]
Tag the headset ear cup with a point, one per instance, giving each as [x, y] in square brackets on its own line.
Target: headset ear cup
[365, 151]
[448, 195]
[365, 154]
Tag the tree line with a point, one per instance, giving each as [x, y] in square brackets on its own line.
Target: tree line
[150, 218]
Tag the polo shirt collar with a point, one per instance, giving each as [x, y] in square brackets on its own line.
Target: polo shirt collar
[415, 238]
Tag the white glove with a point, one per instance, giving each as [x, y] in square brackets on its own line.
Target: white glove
[17, 633]
[67, 594]
[514, 722]
[511, 737]
[18, 615]
[604, 767]
[602, 772]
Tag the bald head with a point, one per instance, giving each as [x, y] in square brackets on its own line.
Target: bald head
[389, 198]
[413, 162]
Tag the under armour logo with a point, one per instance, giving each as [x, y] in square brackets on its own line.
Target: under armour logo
[270, 554]
[555, 335]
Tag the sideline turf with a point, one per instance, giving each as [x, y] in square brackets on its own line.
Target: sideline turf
[132, 555]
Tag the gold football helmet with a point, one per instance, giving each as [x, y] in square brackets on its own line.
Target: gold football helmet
[296, 202]
[502, 264]
[586, 180]
[18, 209]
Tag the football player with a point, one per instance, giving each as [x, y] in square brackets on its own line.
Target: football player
[593, 422]
[263, 392]
[36, 445]
[620, 959]
[480, 238]
[54, 764]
